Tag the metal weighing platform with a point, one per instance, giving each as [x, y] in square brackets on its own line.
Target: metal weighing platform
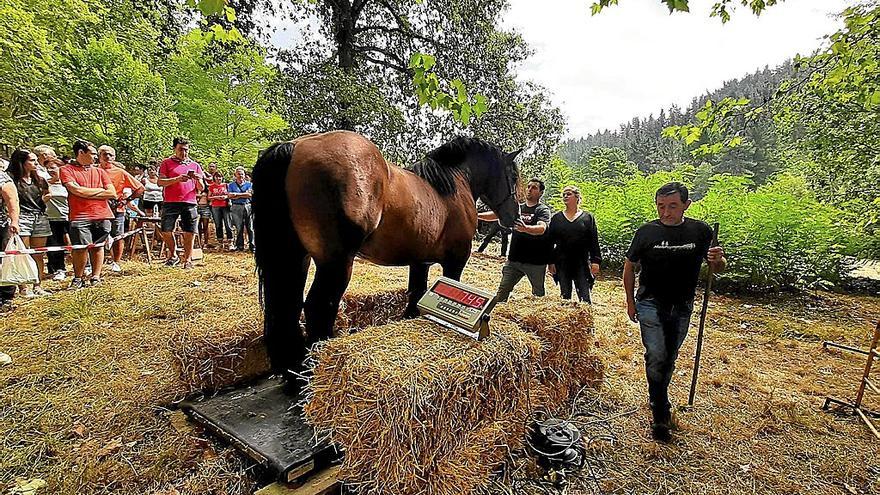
[260, 421]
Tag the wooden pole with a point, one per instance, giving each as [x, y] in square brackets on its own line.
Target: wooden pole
[702, 321]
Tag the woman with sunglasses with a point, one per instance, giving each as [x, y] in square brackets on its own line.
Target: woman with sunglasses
[576, 246]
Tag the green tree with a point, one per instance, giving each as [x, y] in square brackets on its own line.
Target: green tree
[223, 99]
[102, 93]
[828, 120]
[27, 58]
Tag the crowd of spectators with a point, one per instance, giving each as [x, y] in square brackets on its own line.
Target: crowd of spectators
[90, 197]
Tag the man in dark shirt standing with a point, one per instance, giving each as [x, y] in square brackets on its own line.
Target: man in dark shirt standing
[670, 250]
[529, 249]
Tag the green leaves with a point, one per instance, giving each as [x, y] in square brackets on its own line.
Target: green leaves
[720, 9]
[710, 135]
[208, 7]
[455, 100]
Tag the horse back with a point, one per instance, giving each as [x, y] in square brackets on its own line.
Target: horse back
[336, 186]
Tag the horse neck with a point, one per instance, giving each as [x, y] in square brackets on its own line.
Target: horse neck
[476, 180]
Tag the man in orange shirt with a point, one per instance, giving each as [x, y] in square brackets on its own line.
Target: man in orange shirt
[88, 189]
[127, 188]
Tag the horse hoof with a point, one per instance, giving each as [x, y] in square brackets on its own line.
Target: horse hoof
[411, 313]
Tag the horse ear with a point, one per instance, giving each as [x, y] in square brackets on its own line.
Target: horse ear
[512, 156]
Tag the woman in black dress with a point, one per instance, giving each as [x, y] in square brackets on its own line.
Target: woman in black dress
[576, 247]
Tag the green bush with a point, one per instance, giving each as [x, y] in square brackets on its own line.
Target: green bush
[777, 236]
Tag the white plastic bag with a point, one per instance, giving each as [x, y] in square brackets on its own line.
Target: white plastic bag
[18, 269]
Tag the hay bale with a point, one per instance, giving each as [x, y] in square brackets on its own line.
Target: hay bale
[207, 359]
[420, 409]
[568, 362]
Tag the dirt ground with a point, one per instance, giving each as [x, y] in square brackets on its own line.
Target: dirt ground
[87, 405]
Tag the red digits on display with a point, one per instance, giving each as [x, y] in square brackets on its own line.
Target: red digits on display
[459, 296]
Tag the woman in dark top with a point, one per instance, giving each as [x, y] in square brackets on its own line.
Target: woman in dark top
[576, 246]
[33, 222]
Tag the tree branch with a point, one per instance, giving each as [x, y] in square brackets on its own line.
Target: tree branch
[404, 27]
[369, 48]
[386, 63]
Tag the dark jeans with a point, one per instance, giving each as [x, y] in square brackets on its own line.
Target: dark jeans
[7, 292]
[505, 237]
[60, 228]
[577, 272]
[514, 271]
[241, 219]
[221, 221]
[664, 327]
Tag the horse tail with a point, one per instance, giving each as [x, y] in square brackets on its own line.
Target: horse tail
[276, 243]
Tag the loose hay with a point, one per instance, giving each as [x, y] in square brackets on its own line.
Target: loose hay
[420, 409]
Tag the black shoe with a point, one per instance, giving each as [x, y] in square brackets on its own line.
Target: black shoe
[660, 432]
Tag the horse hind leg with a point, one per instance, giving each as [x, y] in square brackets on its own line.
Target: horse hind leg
[283, 334]
[322, 304]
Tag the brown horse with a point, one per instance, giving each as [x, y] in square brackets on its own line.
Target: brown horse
[332, 196]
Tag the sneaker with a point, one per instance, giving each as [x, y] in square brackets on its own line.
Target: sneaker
[88, 271]
[115, 268]
[6, 306]
[40, 292]
[94, 281]
[173, 261]
[60, 275]
[188, 265]
[76, 283]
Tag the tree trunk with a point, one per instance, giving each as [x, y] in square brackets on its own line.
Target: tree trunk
[343, 24]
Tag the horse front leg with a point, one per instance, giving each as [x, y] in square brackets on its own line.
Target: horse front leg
[418, 285]
[452, 268]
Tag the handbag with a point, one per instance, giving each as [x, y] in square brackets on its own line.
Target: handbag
[18, 269]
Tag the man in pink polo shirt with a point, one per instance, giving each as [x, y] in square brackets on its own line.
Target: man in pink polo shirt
[181, 180]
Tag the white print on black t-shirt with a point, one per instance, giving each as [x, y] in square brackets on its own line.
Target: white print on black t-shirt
[527, 217]
[684, 247]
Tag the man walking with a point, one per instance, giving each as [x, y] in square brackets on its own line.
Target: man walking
[240, 193]
[529, 249]
[181, 179]
[88, 190]
[127, 188]
[670, 251]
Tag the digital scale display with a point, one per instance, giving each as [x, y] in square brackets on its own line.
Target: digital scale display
[461, 296]
[458, 306]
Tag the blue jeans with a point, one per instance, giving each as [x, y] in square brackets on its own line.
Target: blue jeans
[664, 327]
[241, 220]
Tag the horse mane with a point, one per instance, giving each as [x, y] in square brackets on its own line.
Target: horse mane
[441, 166]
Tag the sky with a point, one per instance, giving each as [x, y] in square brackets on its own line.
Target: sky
[635, 58]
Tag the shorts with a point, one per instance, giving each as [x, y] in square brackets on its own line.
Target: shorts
[89, 231]
[33, 224]
[204, 211]
[187, 213]
[117, 226]
[147, 207]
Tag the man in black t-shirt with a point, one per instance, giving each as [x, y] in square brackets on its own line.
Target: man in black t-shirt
[529, 248]
[670, 251]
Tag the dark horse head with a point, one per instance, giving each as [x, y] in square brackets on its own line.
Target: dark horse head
[491, 173]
